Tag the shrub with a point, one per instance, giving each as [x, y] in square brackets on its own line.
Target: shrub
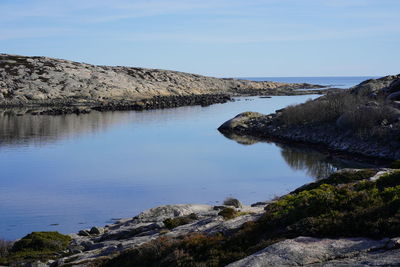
[348, 111]
[324, 109]
[171, 223]
[228, 213]
[5, 247]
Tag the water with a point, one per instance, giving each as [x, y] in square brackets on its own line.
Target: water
[66, 173]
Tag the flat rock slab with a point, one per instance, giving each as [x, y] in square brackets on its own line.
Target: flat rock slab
[308, 251]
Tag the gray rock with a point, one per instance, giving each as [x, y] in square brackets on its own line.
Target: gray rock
[319, 252]
[36, 264]
[161, 213]
[148, 225]
[376, 86]
[43, 80]
[233, 202]
[394, 96]
[84, 233]
[96, 230]
[239, 120]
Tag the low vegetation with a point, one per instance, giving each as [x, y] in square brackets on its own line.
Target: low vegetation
[346, 204]
[228, 213]
[171, 223]
[36, 246]
[5, 247]
[360, 114]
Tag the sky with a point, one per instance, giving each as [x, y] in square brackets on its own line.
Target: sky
[223, 38]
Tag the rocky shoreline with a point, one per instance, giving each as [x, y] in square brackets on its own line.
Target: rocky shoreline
[63, 87]
[113, 244]
[325, 138]
[365, 124]
[157, 102]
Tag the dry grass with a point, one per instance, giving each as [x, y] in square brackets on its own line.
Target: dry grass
[323, 109]
[5, 247]
[348, 111]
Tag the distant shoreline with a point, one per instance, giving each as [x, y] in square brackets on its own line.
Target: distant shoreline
[61, 84]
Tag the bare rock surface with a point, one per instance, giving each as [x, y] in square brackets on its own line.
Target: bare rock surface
[47, 81]
[383, 86]
[99, 242]
[308, 251]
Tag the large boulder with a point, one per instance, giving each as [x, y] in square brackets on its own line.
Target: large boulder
[239, 121]
[161, 213]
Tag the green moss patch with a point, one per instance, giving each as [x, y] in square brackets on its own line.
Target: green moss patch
[340, 178]
[37, 246]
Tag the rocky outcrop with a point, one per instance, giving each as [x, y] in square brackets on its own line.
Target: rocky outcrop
[47, 81]
[324, 136]
[308, 251]
[363, 121]
[90, 245]
[386, 86]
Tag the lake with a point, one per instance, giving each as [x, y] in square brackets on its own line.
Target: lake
[70, 172]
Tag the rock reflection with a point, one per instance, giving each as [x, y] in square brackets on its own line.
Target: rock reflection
[19, 128]
[316, 164]
[241, 139]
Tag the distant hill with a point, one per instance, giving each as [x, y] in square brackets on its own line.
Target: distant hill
[42, 80]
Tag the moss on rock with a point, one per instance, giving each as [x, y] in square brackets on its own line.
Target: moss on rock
[37, 246]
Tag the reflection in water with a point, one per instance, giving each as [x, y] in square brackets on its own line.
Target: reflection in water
[241, 139]
[29, 129]
[314, 163]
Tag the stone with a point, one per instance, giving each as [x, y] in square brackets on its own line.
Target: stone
[36, 264]
[96, 230]
[84, 233]
[233, 202]
[161, 213]
[394, 96]
[375, 86]
[239, 120]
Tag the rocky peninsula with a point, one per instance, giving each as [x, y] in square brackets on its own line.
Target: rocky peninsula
[348, 219]
[362, 121]
[64, 87]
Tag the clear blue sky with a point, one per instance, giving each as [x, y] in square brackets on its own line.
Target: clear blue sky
[213, 37]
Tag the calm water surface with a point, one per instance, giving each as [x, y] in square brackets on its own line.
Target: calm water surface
[65, 173]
